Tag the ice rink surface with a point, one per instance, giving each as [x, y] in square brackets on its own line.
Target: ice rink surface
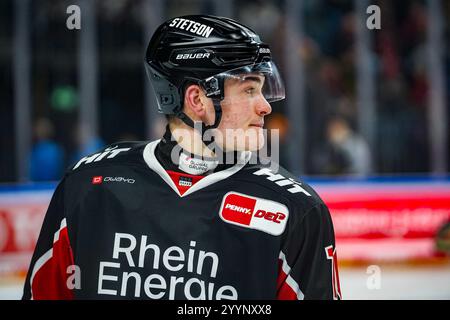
[357, 283]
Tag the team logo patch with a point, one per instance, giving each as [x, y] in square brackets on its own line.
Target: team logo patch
[185, 181]
[254, 213]
[97, 180]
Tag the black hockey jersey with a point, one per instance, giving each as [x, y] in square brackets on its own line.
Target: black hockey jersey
[122, 226]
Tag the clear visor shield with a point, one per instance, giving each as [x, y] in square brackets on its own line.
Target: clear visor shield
[249, 83]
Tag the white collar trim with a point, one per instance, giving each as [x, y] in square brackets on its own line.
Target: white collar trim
[153, 163]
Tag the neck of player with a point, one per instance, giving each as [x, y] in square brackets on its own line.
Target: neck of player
[190, 140]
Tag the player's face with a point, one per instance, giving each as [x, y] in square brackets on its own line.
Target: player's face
[243, 111]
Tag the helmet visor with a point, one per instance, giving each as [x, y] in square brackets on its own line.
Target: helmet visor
[250, 82]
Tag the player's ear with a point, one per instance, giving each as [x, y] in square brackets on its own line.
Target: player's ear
[194, 101]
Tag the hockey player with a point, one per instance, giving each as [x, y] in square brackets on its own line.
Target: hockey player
[171, 219]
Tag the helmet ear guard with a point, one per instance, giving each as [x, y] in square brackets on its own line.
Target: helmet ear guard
[170, 98]
[167, 95]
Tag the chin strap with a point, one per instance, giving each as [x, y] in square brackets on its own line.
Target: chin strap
[203, 128]
[214, 89]
[218, 116]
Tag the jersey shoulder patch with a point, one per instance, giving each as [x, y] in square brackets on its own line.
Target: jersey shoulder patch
[254, 213]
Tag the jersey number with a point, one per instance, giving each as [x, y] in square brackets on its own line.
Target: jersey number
[331, 255]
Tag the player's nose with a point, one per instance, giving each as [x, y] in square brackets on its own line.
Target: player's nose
[263, 107]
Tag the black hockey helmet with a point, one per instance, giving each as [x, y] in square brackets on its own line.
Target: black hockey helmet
[205, 50]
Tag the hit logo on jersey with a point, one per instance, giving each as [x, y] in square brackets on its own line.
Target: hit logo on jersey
[255, 213]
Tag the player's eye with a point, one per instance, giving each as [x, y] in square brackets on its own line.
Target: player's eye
[250, 90]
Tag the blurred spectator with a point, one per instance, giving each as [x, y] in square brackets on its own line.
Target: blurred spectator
[46, 162]
[346, 151]
[86, 144]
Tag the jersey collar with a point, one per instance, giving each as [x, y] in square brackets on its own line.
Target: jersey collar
[153, 163]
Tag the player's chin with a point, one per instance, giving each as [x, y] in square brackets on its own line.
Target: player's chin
[253, 141]
[252, 146]
[250, 140]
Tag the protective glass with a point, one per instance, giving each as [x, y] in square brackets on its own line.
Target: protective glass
[248, 82]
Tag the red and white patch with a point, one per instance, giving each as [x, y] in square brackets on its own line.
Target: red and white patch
[254, 213]
[183, 181]
[97, 180]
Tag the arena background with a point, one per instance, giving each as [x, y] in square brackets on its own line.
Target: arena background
[365, 120]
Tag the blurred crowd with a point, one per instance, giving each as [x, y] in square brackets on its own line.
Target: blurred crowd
[328, 50]
[334, 143]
